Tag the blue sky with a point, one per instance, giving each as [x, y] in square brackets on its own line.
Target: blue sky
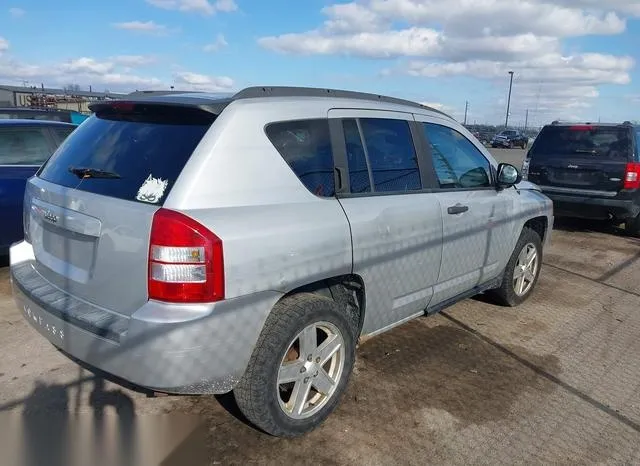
[572, 59]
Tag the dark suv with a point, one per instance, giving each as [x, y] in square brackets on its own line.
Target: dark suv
[510, 138]
[589, 171]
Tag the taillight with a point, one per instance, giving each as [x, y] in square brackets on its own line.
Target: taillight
[632, 176]
[185, 260]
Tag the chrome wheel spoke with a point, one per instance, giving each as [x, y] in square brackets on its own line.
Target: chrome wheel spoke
[322, 382]
[299, 397]
[290, 372]
[308, 341]
[327, 349]
[531, 257]
[520, 284]
[528, 274]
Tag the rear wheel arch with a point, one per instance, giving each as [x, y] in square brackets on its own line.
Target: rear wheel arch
[346, 290]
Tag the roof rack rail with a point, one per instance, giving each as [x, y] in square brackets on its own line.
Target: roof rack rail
[286, 91]
[152, 92]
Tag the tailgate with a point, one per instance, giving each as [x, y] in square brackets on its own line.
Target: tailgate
[590, 157]
[579, 173]
[88, 213]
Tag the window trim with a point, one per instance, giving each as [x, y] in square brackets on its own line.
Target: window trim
[48, 137]
[342, 150]
[429, 156]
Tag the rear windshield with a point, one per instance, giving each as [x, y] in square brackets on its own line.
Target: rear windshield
[134, 154]
[610, 142]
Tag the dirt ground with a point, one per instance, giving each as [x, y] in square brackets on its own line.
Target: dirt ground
[554, 381]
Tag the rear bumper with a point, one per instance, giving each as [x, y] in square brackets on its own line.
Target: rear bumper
[166, 348]
[565, 205]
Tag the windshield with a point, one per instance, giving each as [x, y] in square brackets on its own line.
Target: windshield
[611, 142]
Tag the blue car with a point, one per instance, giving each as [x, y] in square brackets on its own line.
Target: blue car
[24, 146]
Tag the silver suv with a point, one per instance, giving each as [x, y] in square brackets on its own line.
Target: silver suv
[195, 244]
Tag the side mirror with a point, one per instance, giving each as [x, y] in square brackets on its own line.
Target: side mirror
[508, 176]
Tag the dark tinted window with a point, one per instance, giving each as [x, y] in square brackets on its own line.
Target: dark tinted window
[392, 156]
[147, 146]
[62, 132]
[305, 145]
[457, 162]
[610, 142]
[23, 146]
[358, 171]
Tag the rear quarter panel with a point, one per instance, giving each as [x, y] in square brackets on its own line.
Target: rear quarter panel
[276, 235]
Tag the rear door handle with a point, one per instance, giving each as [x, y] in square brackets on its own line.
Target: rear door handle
[457, 209]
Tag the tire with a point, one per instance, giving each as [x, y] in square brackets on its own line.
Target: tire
[259, 393]
[632, 226]
[506, 294]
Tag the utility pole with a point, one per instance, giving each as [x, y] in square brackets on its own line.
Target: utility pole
[526, 120]
[506, 120]
[466, 107]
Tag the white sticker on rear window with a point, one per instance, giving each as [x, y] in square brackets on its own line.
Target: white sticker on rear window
[152, 190]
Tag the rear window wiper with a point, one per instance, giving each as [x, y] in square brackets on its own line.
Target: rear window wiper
[586, 151]
[84, 172]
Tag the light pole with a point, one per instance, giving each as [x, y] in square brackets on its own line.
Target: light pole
[466, 107]
[506, 120]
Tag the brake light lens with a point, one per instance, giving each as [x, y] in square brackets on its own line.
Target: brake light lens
[185, 260]
[581, 128]
[632, 176]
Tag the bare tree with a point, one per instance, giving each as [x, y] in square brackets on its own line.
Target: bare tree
[72, 88]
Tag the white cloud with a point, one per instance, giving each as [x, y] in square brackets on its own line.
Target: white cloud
[17, 12]
[84, 71]
[4, 44]
[389, 44]
[216, 45]
[591, 69]
[481, 39]
[205, 7]
[141, 26]
[200, 82]
[133, 60]
[87, 65]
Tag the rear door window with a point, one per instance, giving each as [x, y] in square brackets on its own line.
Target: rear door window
[392, 155]
[306, 147]
[599, 142]
[140, 151]
[24, 146]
